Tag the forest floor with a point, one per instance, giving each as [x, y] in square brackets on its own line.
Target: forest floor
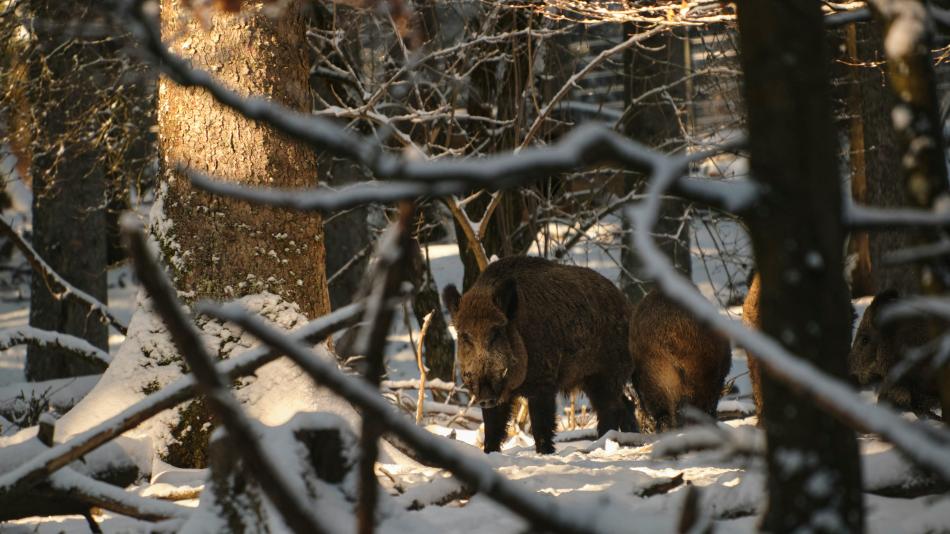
[622, 483]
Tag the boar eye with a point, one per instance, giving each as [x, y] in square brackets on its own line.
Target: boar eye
[465, 338]
[494, 336]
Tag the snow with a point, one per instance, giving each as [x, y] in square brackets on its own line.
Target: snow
[610, 480]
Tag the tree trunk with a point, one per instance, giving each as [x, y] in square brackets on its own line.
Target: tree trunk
[653, 120]
[224, 248]
[797, 235]
[69, 224]
[502, 88]
[882, 162]
[348, 235]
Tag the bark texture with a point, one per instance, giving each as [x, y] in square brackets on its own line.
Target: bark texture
[69, 187]
[798, 239]
[224, 248]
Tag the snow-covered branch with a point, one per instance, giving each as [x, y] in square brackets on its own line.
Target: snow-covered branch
[540, 510]
[296, 512]
[11, 337]
[49, 461]
[56, 284]
[837, 398]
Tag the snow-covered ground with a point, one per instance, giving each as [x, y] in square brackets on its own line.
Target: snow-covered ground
[621, 487]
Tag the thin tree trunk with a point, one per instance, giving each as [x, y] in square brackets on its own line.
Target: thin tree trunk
[798, 237]
[654, 121]
[69, 188]
[882, 158]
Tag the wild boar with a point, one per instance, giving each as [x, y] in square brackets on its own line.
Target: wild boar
[678, 361]
[531, 328]
[878, 348]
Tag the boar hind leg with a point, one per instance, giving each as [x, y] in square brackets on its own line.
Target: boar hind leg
[496, 426]
[614, 410]
[542, 409]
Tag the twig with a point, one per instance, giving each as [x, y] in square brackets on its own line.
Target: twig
[391, 270]
[420, 401]
[58, 287]
[296, 513]
[474, 243]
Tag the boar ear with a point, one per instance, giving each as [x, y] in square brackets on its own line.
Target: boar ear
[451, 299]
[882, 299]
[506, 297]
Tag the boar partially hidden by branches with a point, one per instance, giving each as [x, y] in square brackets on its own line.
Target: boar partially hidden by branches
[530, 328]
[880, 347]
[678, 362]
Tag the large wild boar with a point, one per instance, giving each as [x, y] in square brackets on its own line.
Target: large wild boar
[877, 348]
[678, 361]
[532, 328]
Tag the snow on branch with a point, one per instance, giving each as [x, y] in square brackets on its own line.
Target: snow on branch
[11, 337]
[858, 217]
[297, 514]
[542, 511]
[918, 444]
[49, 461]
[56, 284]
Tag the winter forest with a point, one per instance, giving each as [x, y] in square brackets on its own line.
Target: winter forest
[474, 266]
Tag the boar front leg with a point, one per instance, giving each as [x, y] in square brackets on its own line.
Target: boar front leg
[496, 426]
[542, 409]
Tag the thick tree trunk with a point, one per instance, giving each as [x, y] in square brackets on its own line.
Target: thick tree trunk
[798, 237]
[69, 188]
[653, 120]
[224, 248]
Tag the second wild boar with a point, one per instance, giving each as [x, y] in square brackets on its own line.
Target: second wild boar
[878, 348]
[532, 328]
[678, 361]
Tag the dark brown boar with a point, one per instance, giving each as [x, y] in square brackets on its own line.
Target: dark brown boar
[531, 328]
[878, 348]
[678, 361]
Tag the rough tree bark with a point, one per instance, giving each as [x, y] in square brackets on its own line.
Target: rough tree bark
[653, 120]
[223, 248]
[69, 187]
[814, 476]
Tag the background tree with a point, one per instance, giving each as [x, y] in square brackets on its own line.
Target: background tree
[798, 236]
[69, 99]
[656, 114]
